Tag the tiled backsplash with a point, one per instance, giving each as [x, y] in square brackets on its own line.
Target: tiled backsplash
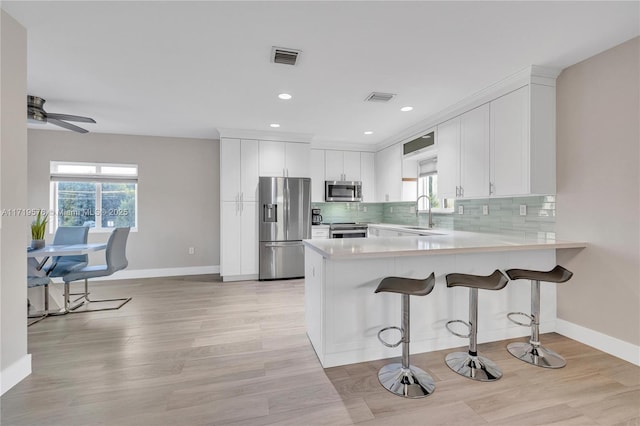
[503, 215]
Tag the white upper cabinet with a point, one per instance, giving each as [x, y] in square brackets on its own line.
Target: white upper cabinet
[272, 158]
[449, 158]
[342, 165]
[388, 166]
[352, 166]
[474, 153]
[505, 147]
[317, 175]
[284, 159]
[238, 169]
[297, 157]
[523, 142]
[367, 176]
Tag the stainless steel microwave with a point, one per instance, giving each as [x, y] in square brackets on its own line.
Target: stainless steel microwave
[335, 190]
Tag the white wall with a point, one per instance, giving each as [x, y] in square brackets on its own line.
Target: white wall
[178, 193]
[598, 112]
[14, 233]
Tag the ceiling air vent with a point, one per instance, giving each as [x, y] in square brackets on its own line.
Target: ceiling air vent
[281, 55]
[379, 97]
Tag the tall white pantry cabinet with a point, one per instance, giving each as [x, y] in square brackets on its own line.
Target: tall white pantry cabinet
[239, 207]
[242, 162]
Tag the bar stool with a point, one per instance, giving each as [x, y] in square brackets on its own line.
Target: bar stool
[470, 364]
[533, 352]
[404, 379]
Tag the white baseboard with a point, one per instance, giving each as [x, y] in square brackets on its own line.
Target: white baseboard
[611, 345]
[127, 274]
[13, 374]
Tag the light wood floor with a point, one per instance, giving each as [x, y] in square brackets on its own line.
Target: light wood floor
[192, 351]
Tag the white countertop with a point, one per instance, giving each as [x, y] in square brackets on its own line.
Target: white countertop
[447, 242]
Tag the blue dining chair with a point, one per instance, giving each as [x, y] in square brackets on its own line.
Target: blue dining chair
[66, 235]
[116, 258]
[36, 278]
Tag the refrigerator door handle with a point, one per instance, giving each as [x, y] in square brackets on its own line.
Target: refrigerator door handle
[283, 244]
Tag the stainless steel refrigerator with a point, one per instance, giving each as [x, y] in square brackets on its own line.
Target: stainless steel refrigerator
[284, 221]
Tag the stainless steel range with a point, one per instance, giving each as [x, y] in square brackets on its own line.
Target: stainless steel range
[348, 230]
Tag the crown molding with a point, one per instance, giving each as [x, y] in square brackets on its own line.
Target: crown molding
[343, 146]
[265, 135]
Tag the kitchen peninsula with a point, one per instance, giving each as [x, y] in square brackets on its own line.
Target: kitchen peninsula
[343, 315]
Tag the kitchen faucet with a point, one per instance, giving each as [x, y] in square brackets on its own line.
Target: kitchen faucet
[430, 224]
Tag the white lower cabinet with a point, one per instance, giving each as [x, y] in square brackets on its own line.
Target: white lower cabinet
[319, 232]
[239, 241]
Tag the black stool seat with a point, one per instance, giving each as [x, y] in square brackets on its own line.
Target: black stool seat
[495, 281]
[410, 286]
[556, 275]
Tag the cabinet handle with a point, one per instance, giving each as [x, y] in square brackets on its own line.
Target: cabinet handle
[490, 188]
[461, 191]
[457, 191]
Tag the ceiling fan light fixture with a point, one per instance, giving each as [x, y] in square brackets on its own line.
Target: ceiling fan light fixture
[37, 114]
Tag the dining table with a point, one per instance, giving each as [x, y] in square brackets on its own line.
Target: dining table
[38, 258]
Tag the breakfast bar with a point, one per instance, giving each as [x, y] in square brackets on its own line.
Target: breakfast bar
[343, 315]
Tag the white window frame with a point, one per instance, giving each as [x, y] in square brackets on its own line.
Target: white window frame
[98, 177]
[441, 210]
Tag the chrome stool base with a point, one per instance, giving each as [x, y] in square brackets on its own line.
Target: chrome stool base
[536, 355]
[473, 367]
[411, 382]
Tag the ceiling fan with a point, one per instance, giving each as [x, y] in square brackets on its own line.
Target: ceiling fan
[36, 113]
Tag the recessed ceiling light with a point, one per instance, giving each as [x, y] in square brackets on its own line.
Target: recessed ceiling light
[405, 109]
[274, 125]
[284, 96]
[368, 132]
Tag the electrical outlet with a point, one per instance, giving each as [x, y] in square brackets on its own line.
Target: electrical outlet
[412, 209]
[364, 209]
[192, 250]
[523, 209]
[460, 209]
[390, 209]
[485, 210]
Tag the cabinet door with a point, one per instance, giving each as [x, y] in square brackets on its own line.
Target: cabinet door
[230, 253]
[509, 147]
[388, 165]
[248, 238]
[367, 176]
[297, 157]
[272, 158]
[474, 152]
[352, 166]
[249, 168]
[317, 175]
[448, 158]
[229, 169]
[333, 165]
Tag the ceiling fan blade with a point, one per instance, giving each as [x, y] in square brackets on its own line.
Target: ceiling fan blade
[66, 125]
[68, 117]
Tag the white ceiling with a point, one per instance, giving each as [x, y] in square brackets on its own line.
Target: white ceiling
[187, 68]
